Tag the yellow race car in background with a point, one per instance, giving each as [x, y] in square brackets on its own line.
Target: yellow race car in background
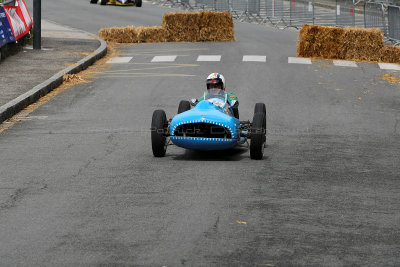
[137, 3]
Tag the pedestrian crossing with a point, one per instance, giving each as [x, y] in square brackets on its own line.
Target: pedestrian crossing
[250, 58]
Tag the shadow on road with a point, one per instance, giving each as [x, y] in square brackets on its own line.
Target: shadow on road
[234, 154]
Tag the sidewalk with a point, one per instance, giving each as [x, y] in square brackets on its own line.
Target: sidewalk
[32, 73]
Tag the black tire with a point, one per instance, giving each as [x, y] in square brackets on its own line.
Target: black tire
[103, 2]
[158, 129]
[93, 1]
[260, 107]
[235, 112]
[258, 136]
[184, 105]
[138, 3]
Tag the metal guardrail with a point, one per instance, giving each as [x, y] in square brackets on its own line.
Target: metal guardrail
[394, 23]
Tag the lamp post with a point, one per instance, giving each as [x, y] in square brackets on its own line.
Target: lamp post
[37, 28]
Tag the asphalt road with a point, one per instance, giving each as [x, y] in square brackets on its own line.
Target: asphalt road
[79, 185]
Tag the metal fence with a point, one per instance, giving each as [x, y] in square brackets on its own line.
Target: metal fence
[302, 11]
[374, 16]
[295, 13]
[394, 23]
[345, 13]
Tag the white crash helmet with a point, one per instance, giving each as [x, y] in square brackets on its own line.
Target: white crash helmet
[216, 79]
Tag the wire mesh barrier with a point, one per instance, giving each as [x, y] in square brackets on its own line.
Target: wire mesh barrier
[295, 13]
[374, 16]
[302, 11]
[345, 13]
[394, 23]
[239, 8]
[253, 9]
[274, 12]
[221, 5]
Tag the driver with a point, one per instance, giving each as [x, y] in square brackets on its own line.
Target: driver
[215, 86]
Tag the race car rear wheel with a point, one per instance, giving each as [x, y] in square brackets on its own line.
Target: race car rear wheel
[184, 105]
[138, 3]
[258, 135]
[103, 2]
[159, 126]
[93, 1]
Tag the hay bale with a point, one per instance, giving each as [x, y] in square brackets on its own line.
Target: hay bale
[182, 26]
[119, 34]
[178, 20]
[390, 54]
[362, 44]
[187, 34]
[217, 35]
[320, 42]
[154, 34]
[212, 19]
[348, 43]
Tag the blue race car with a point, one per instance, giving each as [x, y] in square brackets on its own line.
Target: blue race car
[137, 3]
[210, 125]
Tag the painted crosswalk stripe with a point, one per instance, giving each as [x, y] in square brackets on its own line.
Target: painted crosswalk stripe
[163, 59]
[116, 60]
[299, 60]
[389, 66]
[209, 58]
[254, 58]
[344, 63]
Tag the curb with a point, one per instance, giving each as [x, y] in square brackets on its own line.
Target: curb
[14, 106]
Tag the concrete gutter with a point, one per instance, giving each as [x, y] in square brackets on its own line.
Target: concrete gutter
[14, 106]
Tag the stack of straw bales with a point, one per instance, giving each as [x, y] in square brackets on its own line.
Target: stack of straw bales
[119, 34]
[347, 43]
[390, 54]
[216, 26]
[182, 27]
[152, 34]
[177, 27]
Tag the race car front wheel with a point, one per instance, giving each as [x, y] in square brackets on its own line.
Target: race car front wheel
[184, 105]
[93, 1]
[103, 2]
[159, 125]
[138, 3]
[258, 135]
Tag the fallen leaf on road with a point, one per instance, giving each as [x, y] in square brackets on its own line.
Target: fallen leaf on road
[241, 222]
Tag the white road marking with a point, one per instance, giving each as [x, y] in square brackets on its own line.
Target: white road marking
[115, 60]
[389, 66]
[163, 59]
[209, 58]
[344, 63]
[252, 58]
[299, 60]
